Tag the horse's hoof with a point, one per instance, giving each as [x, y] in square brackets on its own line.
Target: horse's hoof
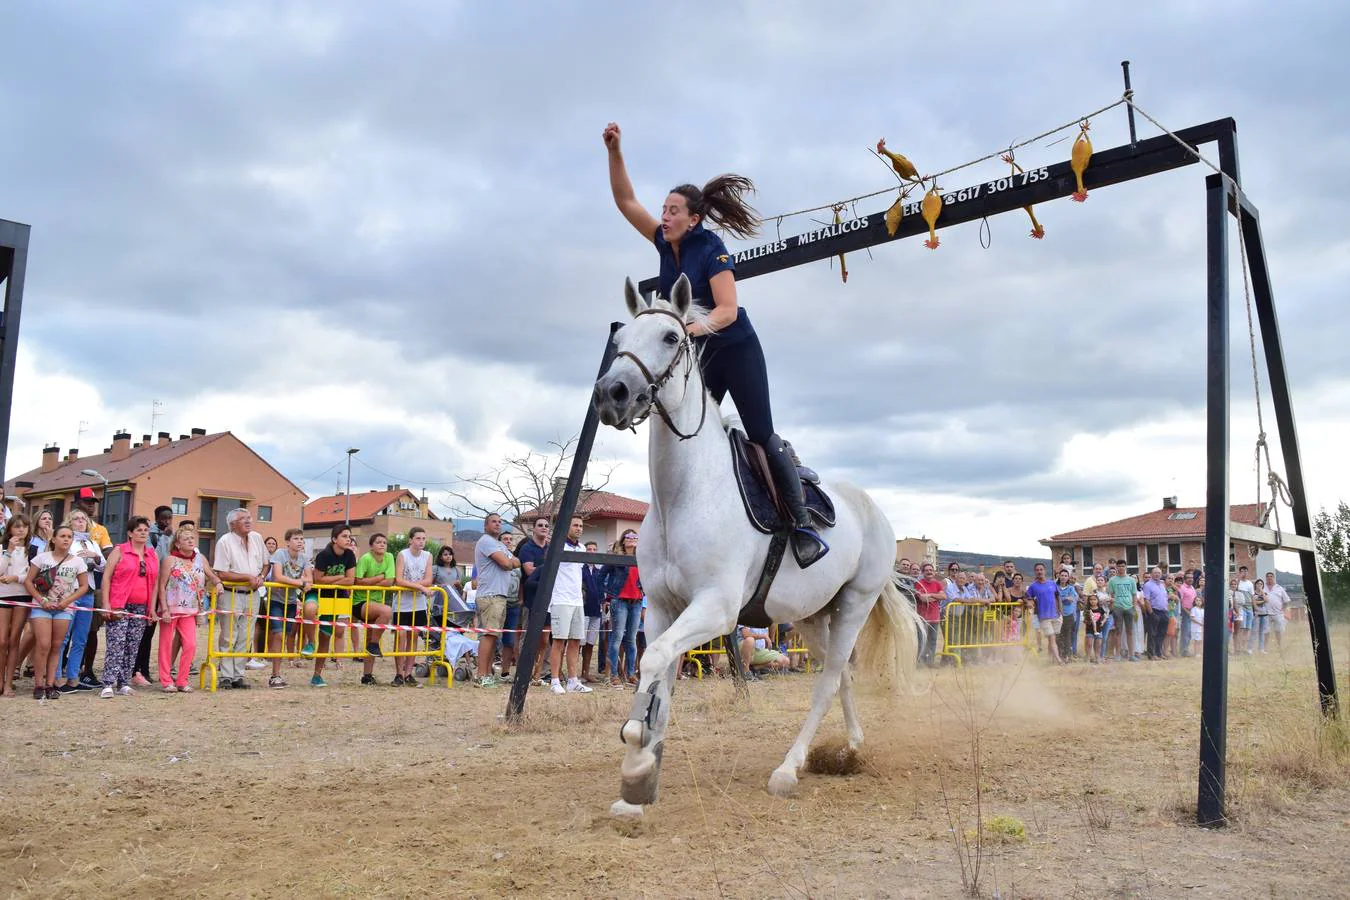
[622, 809]
[782, 783]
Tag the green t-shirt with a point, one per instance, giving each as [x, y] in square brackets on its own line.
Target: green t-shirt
[367, 567]
[1122, 589]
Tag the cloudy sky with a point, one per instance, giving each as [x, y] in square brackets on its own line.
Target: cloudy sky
[333, 224]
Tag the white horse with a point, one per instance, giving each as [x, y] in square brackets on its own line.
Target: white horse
[700, 558]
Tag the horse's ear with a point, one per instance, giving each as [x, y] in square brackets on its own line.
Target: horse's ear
[632, 298]
[682, 296]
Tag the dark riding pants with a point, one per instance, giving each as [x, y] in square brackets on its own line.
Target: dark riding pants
[739, 367]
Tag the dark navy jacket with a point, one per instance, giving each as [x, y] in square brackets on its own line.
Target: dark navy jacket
[702, 255]
[612, 579]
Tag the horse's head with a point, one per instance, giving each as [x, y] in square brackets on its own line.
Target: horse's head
[650, 350]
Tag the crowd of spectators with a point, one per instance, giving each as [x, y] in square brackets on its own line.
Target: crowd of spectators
[1106, 615]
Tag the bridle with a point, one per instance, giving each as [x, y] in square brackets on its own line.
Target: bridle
[655, 383]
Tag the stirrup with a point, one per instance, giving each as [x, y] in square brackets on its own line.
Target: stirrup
[808, 548]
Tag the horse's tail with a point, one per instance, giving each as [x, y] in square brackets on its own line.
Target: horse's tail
[889, 643]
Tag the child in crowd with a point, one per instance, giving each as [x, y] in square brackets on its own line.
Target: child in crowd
[13, 569]
[413, 571]
[289, 566]
[1198, 622]
[56, 579]
[181, 598]
[1094, 627]
[375, 568]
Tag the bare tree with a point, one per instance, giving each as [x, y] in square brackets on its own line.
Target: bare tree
[523, 484]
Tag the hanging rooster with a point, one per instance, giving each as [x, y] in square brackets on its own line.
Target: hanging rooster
[931, 209]
[1078, 159]
[903, 167]
[895, 214]
[1036, 230]
[843, 266]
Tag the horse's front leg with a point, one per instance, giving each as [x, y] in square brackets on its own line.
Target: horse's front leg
[708, 616]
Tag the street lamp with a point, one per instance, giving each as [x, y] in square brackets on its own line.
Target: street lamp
[347, 498]
[95, 473]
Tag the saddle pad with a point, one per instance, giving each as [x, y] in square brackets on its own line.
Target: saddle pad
[760, 502]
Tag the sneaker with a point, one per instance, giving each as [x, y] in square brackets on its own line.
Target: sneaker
[307, 651]
[125, 691]
[53, 693]
[398, 681]
[255, 664]
[82, 686]
[139, 680]
[90, 680]
[275, 682]
[373, 649]
[486, 681]
[576, 687]
[106, 693]
[169, 689]
[67, 689]
[240, 684]
[409, 681]
[224, 684]
[557, 687]
[317, 681]
[368, 678]
[186, 689]
[39, 693]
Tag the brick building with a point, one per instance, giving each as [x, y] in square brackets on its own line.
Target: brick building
[917, 550]
[391, 511]
[607, 515]
[1172, 538]
[202, 476]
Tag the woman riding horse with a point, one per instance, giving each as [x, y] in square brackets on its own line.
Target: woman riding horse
[730, 355]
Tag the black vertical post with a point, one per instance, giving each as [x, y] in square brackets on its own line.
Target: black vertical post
[1293, 460]
[13, 263]
[1129, 93]
[1214, 685]
[515, 705]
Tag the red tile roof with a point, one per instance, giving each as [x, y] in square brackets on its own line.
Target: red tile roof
[1161, 524]
[598, 505]
[67, 477]
[331, 510]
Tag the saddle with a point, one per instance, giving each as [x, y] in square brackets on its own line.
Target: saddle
[763, 507]
[769, 515]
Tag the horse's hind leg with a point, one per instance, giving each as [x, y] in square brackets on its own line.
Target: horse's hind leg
[850, 611]
[815, 631]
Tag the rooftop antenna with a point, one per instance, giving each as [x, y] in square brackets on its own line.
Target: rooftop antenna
[156, 411]
[79, 435]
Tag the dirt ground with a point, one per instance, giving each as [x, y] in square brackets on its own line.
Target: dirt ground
[1086, 778]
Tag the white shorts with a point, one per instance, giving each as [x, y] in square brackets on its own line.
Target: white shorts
[592, 630]
[1051, 627]
[569, 623]
[1276, 622]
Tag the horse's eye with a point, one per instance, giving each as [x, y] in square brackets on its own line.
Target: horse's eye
[672, 338]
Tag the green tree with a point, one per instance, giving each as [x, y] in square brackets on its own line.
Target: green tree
[1332, 534]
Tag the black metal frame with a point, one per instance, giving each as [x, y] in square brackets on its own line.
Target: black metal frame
[13, 265]
[1138, 159]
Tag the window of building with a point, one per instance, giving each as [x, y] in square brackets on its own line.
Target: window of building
[1132, 559]
[1174, 557]
[116, 507]
[1151, 552]
[1181, 516]
[179, 505]
[207, 519]
[264, 513]
[204, 542]
[1085, 560]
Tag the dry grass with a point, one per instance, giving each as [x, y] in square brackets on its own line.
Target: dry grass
[833, 757]
[381, 792]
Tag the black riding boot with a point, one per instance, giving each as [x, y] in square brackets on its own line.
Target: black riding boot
[807, 546]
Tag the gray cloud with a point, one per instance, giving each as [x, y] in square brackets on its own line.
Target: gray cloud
[429, 180]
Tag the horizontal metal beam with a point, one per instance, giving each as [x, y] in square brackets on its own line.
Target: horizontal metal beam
[599, 559]
[975, 202]
[1269, 537]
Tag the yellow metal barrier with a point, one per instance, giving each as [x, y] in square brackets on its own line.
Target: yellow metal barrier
[334, 609]
[983, 625]
[795, 647]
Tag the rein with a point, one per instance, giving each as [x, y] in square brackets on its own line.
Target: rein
[686, 349]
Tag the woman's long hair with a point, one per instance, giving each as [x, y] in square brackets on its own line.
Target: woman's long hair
[722, 201]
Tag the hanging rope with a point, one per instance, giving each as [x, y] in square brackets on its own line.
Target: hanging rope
[1279, 491]
[1074, 123]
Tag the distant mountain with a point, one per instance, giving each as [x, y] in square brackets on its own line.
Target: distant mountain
[970, 560]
